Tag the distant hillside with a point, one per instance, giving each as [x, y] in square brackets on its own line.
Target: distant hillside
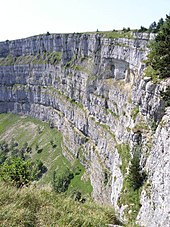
[45, 144]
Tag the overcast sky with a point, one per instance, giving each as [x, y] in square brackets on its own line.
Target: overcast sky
[23, 18]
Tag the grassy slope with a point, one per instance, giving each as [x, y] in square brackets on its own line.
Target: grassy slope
[26, 129]
[36, 207]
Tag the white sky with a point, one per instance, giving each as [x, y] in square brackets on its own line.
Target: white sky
[23, 18]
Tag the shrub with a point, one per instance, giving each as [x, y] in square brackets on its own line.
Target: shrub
[17, 171]
[142, 29]
[40, 169]
[3, 157]
[76, 195]
[16, 166]
[134, 112]
[134, 177]
[126, 29]
[61, 182]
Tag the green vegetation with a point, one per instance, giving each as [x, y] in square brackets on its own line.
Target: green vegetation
[150, 72]
[48, 34]
[62, 181]
[141, 126]
[34, 206]
[112, 113]
[77, 183]
[78, 68]
[9, 60]
[107, 177]
[124, 152]
[134, 112]
[69, 181]
[142, 29]
[52, 58]
[126, 29]
[117, 34]
[78, 104]
[70, 62]
[159, 57]
[106, 128]
[135, 177]
[153, 124]
[16, 165]
[71, 100]
[81, 64]
[131, 198]
[155, 27]
[133, 180]
[21, 172]
[44, 144]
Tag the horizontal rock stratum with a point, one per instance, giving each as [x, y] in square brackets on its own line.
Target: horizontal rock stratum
[93, 89]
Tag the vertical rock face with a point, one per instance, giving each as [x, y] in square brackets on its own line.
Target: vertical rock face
[155, 198]
[93, 89]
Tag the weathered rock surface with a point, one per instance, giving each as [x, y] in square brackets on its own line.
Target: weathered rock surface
[155, 197]
[91, 88]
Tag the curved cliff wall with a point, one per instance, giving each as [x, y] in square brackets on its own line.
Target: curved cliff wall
[93, 89]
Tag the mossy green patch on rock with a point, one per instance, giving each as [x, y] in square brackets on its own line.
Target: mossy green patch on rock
[134, 112]
[52, 58]
[124, 152]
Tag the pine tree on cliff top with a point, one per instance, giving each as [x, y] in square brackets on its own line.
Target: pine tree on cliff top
[159, 56]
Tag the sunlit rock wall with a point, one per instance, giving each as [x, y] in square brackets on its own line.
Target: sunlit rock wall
[94, 91]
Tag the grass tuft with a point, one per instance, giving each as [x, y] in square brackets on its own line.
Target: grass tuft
[36, 206]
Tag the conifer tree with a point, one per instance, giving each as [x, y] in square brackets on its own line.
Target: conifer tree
[159, 56]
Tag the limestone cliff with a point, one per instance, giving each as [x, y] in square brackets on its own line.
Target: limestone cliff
[94, 90]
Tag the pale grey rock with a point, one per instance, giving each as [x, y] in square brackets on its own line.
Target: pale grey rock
[150, 87]
[147, 78]
[91, 102]
[155, 197]
[117, 181]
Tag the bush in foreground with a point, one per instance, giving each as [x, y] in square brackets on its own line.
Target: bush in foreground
[20, 172]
